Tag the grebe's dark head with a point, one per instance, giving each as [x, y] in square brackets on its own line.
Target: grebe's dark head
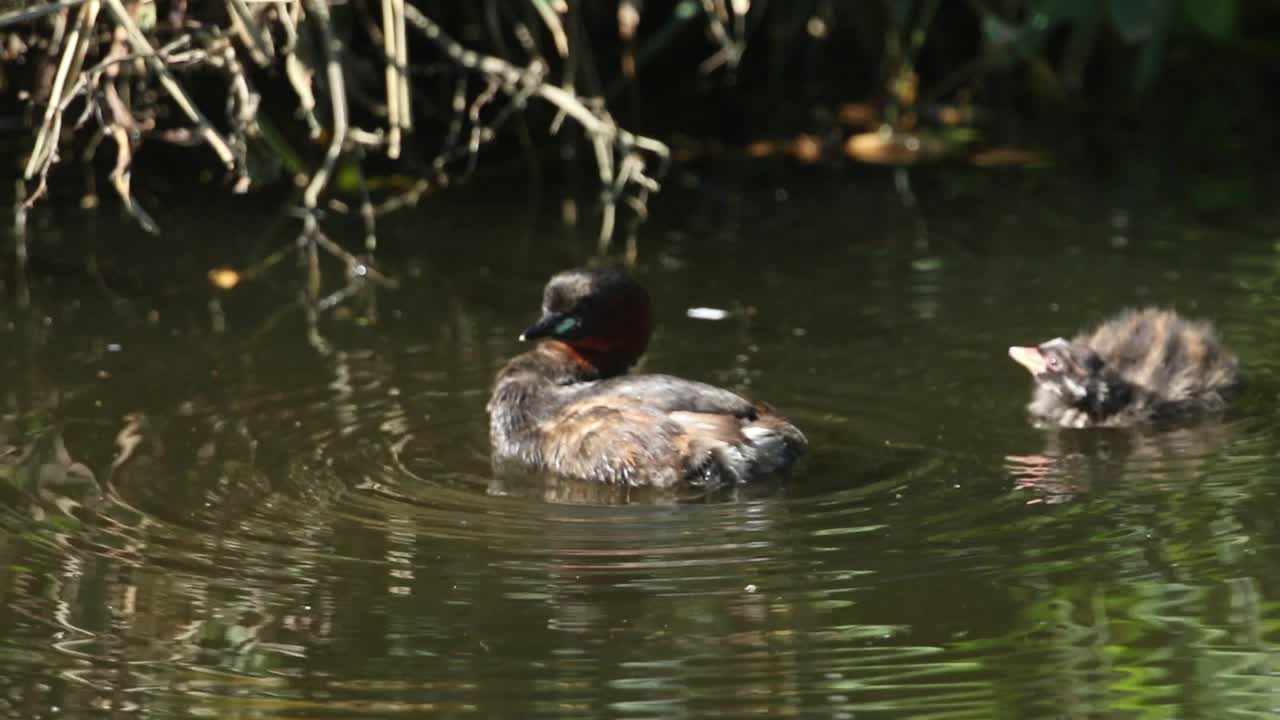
[601, 314]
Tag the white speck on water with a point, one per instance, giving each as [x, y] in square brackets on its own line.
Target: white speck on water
[114, 347]
[706, 313]
[750, 588]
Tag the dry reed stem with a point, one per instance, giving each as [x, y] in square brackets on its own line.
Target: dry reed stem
[396, 49]
[402, 63]
[392, 78]
[43, 152]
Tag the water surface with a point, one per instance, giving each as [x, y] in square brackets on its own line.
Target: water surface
[202, 514]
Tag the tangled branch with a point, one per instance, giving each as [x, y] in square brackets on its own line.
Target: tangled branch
[109, 49]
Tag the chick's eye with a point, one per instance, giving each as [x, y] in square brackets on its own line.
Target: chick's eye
[1054, 363]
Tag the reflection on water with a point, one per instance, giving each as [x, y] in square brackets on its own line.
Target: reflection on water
[1074, 463]
[200, 514]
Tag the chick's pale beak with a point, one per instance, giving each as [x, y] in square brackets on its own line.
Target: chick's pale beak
[1028, 357]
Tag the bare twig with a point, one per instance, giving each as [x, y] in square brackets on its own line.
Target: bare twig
[255, 37]
[120, 179]
[408, 198]
[319, 12]
[602, 132]
[116, 98]
[16, 17]
[295, 69]
[300, 77]
[554, 26]
[731, 48]
[354, 264]
[170, 83]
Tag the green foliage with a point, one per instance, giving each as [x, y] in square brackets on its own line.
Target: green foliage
[1147, 25]
[1216, 18]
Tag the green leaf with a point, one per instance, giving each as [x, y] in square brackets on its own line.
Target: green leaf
[347, 178]
[1216, 18]
[1134, 19]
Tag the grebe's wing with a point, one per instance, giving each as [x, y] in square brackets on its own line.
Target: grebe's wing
[668, 394]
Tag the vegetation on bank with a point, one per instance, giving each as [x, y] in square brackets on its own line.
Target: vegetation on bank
[369, 105]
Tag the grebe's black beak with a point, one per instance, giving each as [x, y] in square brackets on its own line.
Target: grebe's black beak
[553, 325]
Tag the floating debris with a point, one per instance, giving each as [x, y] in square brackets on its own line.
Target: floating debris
[894, 148]
[1007, 157]
[707, 313]
[224, 278]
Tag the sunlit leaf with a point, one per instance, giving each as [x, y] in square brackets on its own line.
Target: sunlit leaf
[1213, 17]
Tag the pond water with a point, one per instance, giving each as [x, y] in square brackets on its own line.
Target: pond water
[202, 515]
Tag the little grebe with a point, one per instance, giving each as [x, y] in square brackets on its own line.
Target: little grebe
[1143, 365]
[568, 407]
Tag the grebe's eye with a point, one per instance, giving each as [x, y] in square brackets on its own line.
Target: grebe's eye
[1054, 363]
